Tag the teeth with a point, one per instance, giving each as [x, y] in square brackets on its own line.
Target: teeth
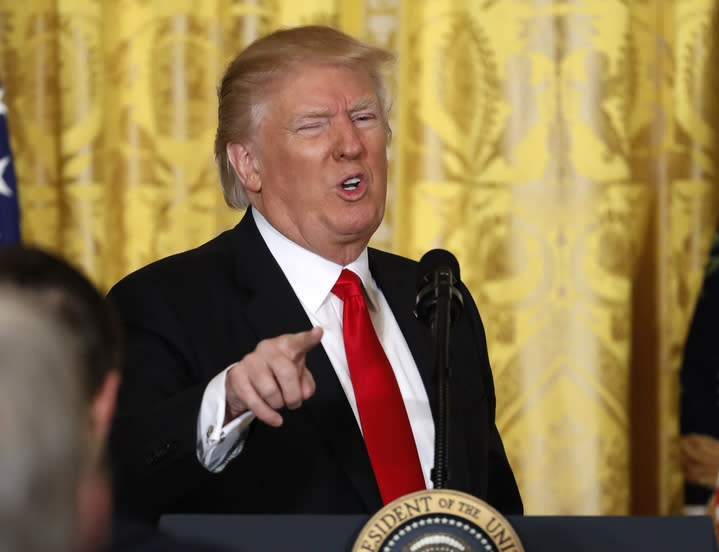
[351, 183]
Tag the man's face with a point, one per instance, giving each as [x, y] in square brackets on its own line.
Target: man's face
[320, 160]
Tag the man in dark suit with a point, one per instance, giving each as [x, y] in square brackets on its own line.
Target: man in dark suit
[237, 394]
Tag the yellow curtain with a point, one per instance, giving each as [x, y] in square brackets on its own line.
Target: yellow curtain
[565, 151]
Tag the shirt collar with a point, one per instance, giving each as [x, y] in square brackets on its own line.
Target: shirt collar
[312, 277]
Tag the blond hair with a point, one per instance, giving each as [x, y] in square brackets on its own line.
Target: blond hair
[268, 59]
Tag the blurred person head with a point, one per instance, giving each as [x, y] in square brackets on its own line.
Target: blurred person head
[44, 434]
[67, 293]
[265, 64]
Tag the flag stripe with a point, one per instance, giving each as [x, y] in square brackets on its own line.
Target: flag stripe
[9, 209]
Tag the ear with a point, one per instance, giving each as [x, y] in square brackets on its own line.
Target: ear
[245, 165]
[103, 405]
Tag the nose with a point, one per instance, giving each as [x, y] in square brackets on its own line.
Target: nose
[348, 141]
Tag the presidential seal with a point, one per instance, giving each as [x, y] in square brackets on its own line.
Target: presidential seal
[439, 520]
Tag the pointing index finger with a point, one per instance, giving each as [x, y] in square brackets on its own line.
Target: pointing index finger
[301, 343]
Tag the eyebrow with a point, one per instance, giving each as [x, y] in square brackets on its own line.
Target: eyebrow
[364, 103]
[360, 105]
[311, 114]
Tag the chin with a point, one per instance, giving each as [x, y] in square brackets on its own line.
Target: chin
[364, 227]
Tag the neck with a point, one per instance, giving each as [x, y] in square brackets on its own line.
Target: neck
[341, 253]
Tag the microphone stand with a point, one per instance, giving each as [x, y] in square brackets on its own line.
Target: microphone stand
[440, 326]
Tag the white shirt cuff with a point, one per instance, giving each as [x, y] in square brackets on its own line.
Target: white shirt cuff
[217, 445]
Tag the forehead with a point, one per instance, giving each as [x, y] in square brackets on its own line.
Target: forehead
[315, 85]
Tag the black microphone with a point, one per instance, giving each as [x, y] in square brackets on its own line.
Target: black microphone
[439, 304]
[438, 276]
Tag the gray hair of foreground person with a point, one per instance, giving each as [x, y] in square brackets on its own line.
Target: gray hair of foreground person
[247, 84]
[43, 427]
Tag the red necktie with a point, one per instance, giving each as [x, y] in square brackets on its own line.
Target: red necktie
[387, 433]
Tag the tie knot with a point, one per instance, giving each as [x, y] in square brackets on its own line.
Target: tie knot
[348, 285]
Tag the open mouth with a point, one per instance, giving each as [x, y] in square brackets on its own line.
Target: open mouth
[350, 184]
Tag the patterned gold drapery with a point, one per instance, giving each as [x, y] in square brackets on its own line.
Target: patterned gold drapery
[565, 151]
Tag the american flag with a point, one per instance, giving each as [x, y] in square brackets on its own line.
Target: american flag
[9, 211]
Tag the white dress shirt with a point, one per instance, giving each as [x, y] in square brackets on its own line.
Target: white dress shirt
[312, 283]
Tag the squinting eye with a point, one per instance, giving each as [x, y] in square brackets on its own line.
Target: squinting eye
[313, 127]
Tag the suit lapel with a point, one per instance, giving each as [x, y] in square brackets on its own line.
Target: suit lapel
[272, 309]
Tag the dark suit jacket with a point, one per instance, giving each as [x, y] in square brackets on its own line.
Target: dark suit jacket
[189, 316]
